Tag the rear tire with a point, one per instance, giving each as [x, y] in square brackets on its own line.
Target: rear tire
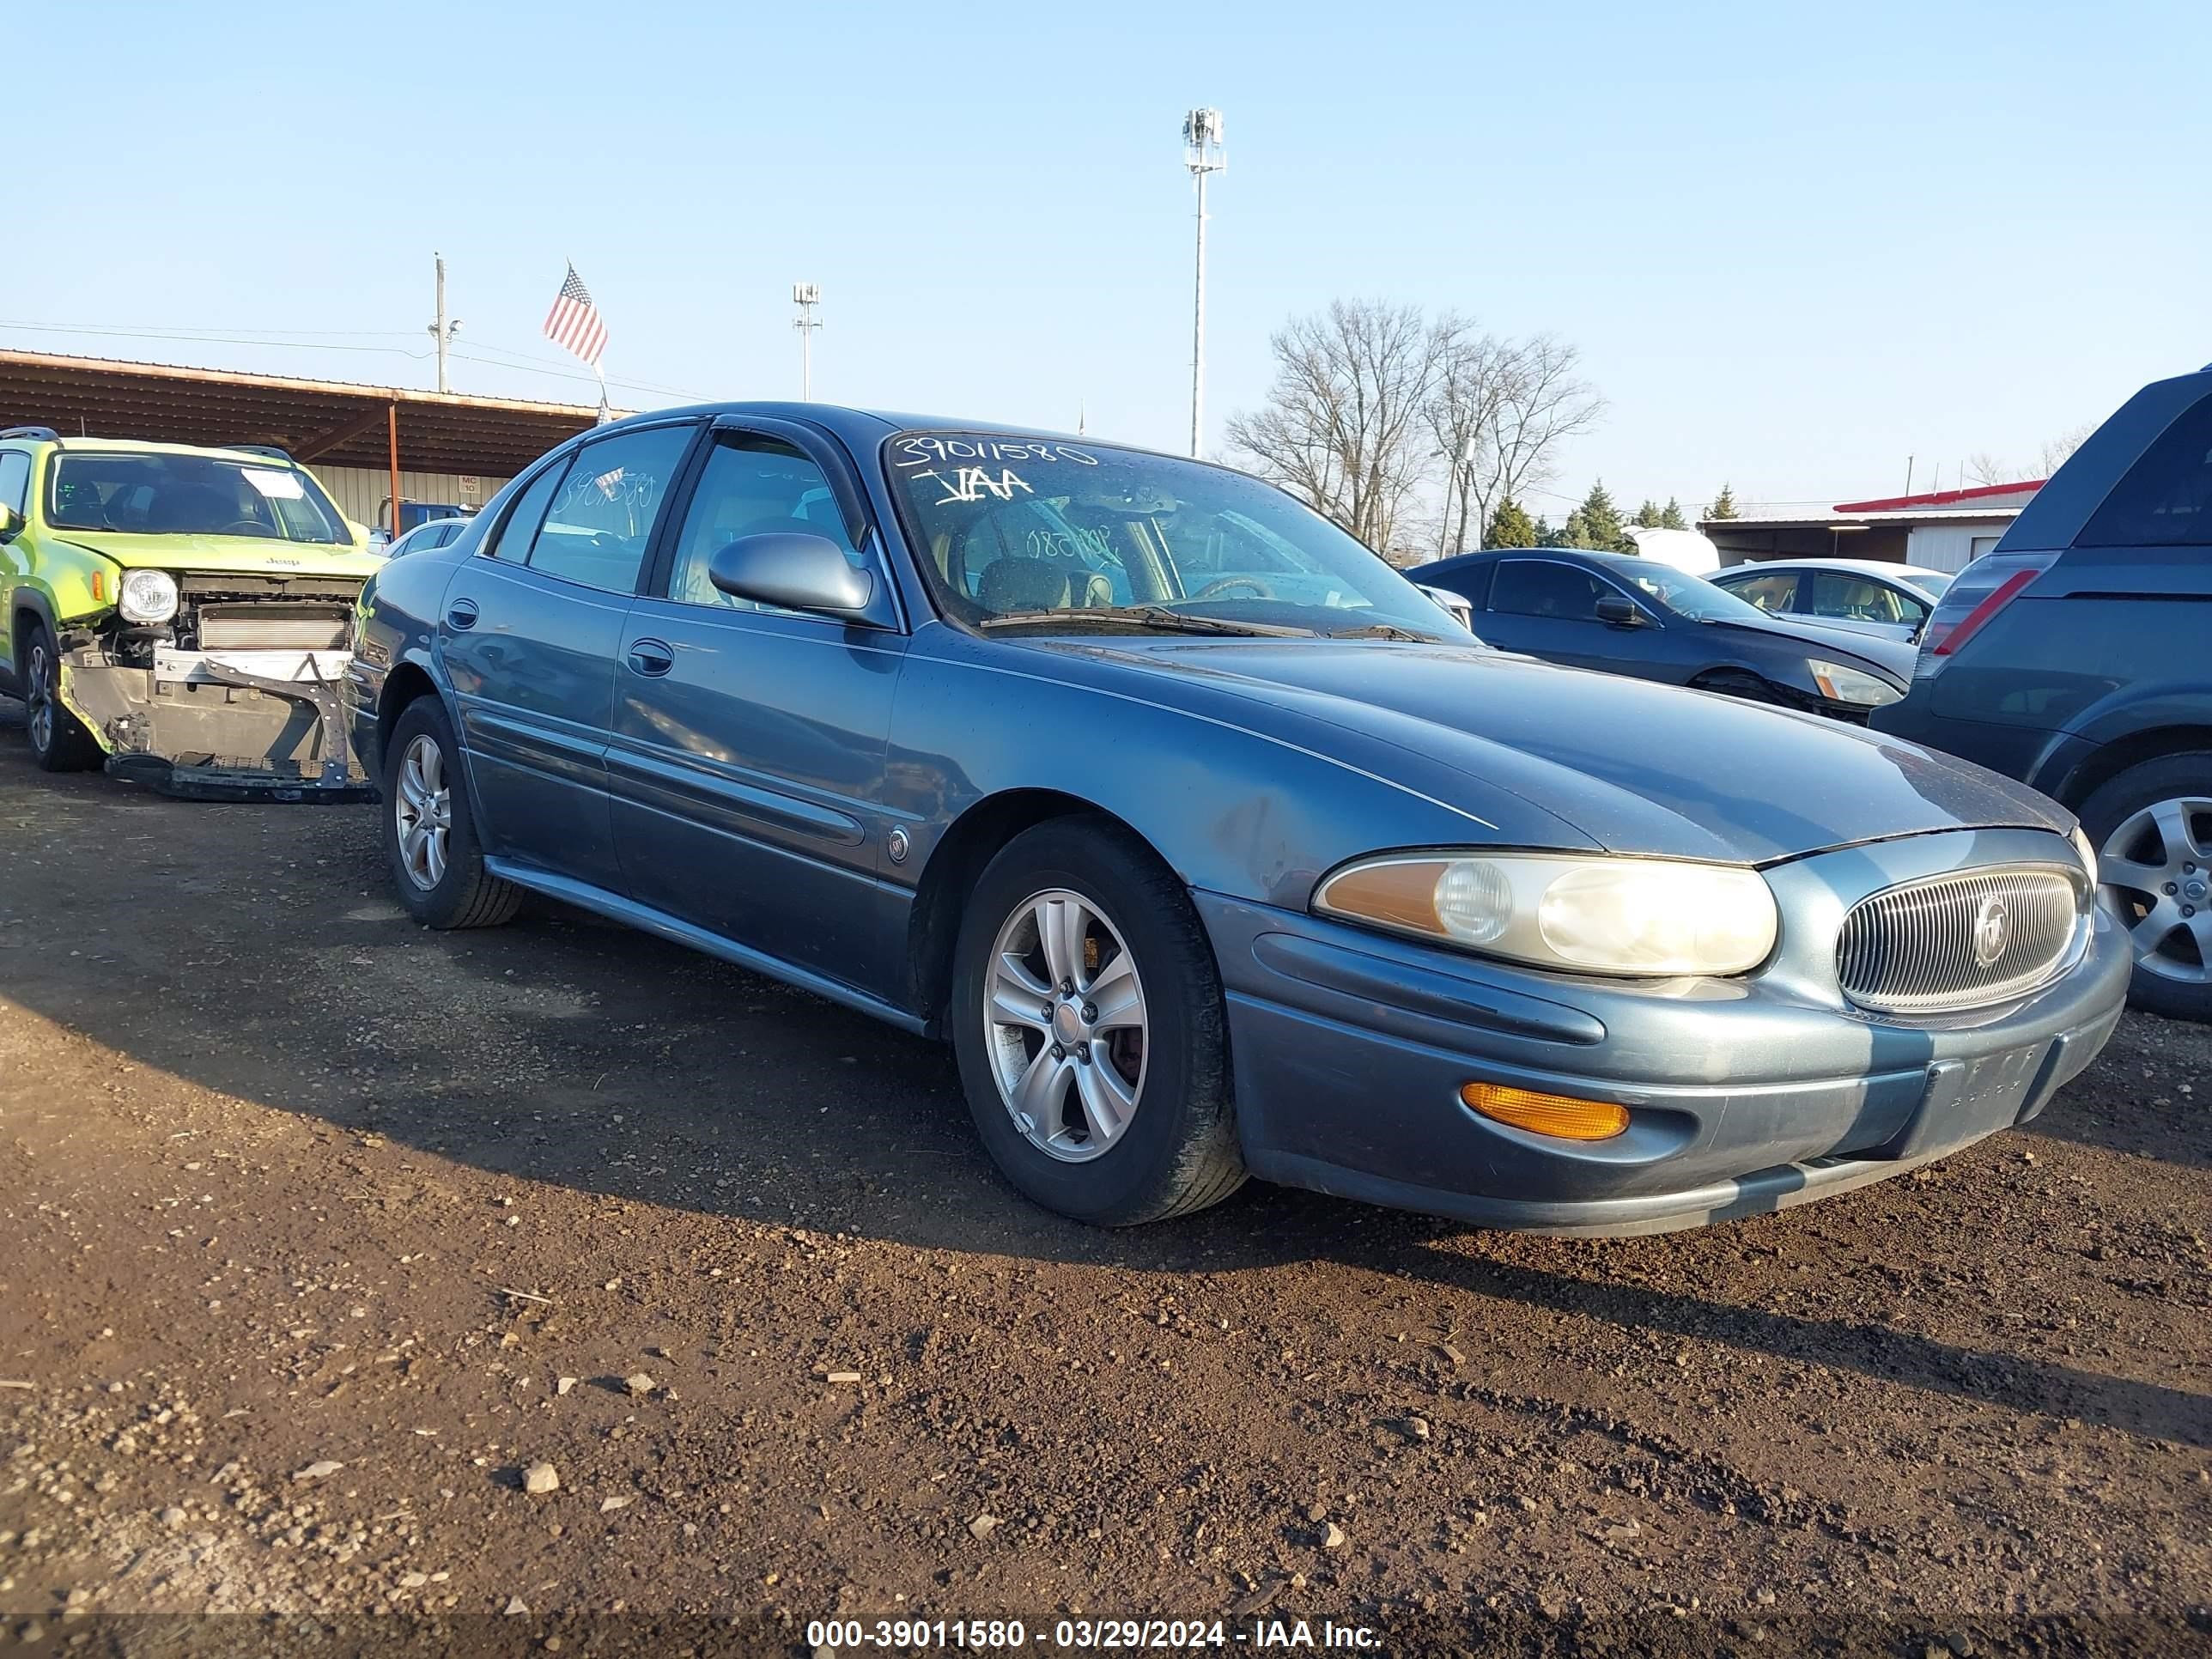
[59, 741]
[1155, 1136]
[429, 837]
[2152, 828]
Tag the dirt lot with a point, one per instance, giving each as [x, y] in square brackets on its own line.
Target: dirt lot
[308, 1218]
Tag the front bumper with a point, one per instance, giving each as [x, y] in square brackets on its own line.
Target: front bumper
[221, 725]
[1745, 1096]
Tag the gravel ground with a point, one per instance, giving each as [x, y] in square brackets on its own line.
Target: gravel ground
[324, 1242]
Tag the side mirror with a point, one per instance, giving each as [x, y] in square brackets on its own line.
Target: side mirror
[12, 523]
[794, 571]
[1616, 612]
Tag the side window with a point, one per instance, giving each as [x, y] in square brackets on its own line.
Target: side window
[15, 479]
[1537, 587]
[603, 515]
[2165, 499]
[1845, 597]
[750, 488]
[1773, 594]
[527, 513]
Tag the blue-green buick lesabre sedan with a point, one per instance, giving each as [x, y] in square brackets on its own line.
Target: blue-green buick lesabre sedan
[1211, 845]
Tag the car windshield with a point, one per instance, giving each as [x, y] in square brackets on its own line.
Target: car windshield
[1023, 532]
[1686, 595]
[192, 496]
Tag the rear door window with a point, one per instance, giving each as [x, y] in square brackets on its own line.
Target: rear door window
[15, 478]
[1537, 588]
[527, 513]
[1839, 596]
[2166, 498]
[602, 516]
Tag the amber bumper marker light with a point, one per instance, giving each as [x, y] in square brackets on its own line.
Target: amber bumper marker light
[1561, 1116]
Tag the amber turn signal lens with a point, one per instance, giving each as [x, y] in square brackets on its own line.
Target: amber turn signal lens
[1562, 1116]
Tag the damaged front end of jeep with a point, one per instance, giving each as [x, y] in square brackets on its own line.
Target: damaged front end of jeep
[235, 697]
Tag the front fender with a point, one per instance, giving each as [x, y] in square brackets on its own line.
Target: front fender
[79, 585]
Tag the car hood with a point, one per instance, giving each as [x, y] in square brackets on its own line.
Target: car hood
[1636, 767]
[226, 554]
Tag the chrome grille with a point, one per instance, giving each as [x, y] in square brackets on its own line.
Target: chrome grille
[1960, 940]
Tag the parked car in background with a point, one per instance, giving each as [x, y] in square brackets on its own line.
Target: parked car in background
[1631, 616]
[181, 616]
[1211, 845]
[2077, 655]
[434, 532]
[1863, 595]
[1453, 605]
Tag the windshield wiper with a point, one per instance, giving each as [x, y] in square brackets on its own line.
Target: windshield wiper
[1384, 631]
[1159, 617]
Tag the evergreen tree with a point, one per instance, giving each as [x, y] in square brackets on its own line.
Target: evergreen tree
[1598, 521]
[1723, 505]
[1510, 526]
[1647, 516]
[1545, 536]
[1671, 517]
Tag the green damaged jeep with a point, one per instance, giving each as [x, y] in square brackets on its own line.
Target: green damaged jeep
[181, 616]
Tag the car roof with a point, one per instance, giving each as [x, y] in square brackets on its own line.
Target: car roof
[87, 446]
[872, 426]
[1859, 567]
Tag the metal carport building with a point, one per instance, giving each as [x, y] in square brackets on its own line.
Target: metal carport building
[366, 443]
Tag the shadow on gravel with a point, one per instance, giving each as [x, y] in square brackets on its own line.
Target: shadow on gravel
[565, 1051]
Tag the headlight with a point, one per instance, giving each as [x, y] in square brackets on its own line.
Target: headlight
[1840, 684]
[1601, 916]
[2088, 853]
[147, 596]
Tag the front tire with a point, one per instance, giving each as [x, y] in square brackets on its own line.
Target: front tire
[59, 741]
[1090, 1028]
[437, 866]
[2152, 828]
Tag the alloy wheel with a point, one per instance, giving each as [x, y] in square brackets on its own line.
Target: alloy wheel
[1064, 1026]
[422, 809]
[39, 701]
[2157, 862]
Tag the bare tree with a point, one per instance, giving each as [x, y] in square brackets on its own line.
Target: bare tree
[2056, 451]
[1539, 402]
[1471, 388]
[1343, 425]
[1983, 468]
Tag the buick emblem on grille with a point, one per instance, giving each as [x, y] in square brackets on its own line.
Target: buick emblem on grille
[1992, 931]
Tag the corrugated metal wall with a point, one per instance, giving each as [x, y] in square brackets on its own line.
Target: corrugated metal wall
[1950, 546]
[360, 492]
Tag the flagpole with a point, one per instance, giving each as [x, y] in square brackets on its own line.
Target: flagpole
[606, 414]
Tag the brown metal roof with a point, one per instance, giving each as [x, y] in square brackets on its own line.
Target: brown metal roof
[336, 423]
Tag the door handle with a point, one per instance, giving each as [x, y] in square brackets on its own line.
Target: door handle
[462, 613]
[651, 658]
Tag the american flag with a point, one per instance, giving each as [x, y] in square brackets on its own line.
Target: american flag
[573, 323]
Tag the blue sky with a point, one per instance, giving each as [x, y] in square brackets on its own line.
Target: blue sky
[1794, 244]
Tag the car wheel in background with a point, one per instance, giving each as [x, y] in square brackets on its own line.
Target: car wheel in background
[436, 864]
[2152, 828]
[1090, 1028]
[59, 741]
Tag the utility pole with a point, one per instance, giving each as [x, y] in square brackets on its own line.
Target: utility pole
[1202, 153]
[806, 296]
[443, 329]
